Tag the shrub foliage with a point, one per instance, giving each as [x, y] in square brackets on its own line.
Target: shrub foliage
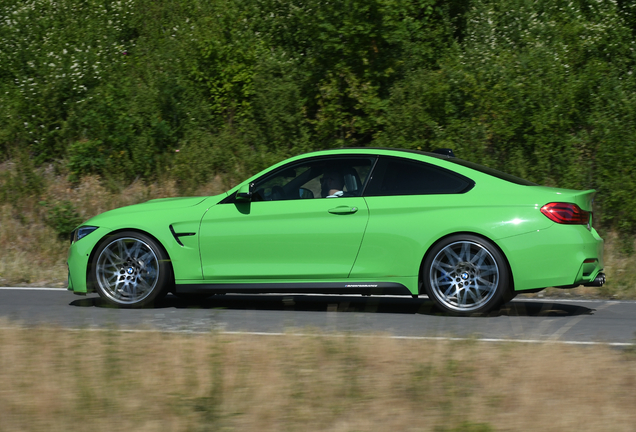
[189, 90]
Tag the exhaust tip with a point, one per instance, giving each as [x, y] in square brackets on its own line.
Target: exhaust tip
[598, 281]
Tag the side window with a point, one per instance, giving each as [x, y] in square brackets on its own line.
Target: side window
[315, 178]
[393, 176]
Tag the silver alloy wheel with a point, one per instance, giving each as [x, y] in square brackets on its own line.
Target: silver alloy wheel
[127, 270]
[464, 276]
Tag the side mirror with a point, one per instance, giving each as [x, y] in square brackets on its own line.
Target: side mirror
[244, 194]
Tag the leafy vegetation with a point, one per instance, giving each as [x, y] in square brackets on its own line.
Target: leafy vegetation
[192, 92]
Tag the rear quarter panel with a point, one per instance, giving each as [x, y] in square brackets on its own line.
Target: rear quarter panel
[402, 228]
[540, 253]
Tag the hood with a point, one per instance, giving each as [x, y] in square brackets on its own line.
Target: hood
[160, 205]
[178, 202]
[163, 204]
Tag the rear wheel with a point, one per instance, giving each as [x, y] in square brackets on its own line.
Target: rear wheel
[465, 275]
[131, 269]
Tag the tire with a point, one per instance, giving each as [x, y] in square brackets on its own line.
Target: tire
[465, 275]
[131, 270]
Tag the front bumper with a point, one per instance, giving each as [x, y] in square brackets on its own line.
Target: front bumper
[78, 261]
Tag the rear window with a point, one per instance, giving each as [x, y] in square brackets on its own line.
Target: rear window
[491, 171]
[395, 176]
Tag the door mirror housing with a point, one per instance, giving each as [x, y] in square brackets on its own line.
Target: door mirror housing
[244, 194]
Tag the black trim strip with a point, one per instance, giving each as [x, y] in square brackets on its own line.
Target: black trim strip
[177, 235]
[366, 288]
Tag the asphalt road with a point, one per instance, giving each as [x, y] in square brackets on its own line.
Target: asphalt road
[536, 320]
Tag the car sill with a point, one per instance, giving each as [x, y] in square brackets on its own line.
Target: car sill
[365, 288]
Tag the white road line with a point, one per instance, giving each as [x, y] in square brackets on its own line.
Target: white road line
[34, 289]
[339, 335]
[441, 338]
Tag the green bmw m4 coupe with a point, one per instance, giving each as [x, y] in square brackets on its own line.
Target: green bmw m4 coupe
[349, 221]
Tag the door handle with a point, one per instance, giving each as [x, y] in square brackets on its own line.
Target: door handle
[343, 210]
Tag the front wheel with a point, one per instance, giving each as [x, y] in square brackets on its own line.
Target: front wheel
[131, 270]
[465, 275]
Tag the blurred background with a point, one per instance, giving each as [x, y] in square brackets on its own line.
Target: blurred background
[108, 103]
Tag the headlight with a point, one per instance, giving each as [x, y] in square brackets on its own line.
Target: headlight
[82, 232]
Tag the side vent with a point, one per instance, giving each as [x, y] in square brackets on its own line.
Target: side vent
[178, 235]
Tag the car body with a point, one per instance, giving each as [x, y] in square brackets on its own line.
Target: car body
[403, 223]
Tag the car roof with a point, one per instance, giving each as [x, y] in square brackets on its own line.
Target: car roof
[444, 154]
[389, 149]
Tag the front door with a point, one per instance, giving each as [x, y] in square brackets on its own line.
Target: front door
[306, 222]
[292, 240]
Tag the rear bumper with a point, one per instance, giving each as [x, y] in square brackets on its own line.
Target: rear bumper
[562, 255]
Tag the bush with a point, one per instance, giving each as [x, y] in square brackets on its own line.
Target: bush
[86, 157]
[145, 89]
[62, 217]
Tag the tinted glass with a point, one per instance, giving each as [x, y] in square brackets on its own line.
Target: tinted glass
[477, 167]
[394, 176]
[316, 178]
[491, 171]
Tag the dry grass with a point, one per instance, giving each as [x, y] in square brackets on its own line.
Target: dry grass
[64, 380]
[31, 252]
[620, 270]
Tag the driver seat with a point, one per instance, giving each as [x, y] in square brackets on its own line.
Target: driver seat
[353, 185]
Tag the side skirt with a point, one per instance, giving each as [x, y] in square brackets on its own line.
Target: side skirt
[364, 288]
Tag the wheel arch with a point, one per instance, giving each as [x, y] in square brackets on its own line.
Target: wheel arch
[444, 237]
[90, 282]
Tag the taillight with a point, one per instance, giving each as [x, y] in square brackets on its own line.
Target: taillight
[566, 213]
